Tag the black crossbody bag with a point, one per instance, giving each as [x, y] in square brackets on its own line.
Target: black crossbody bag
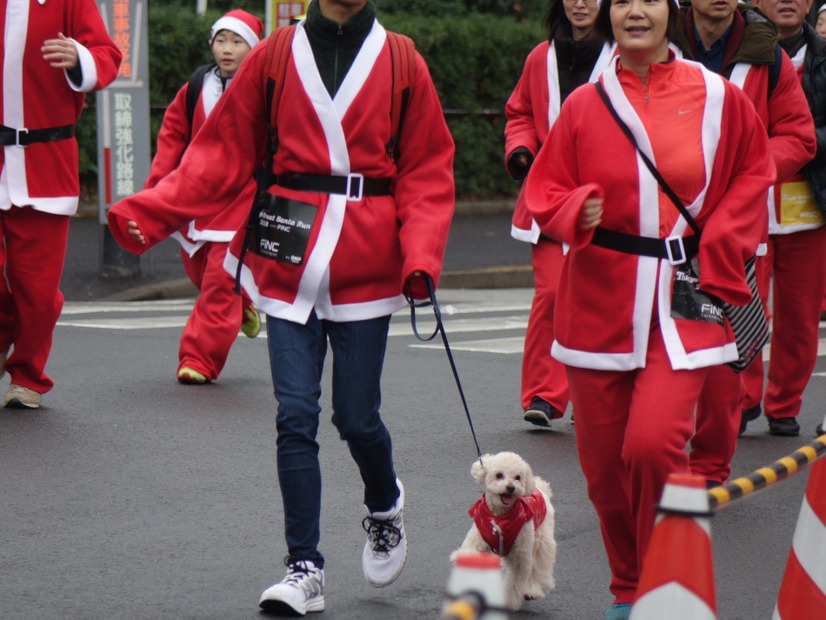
[751, 330]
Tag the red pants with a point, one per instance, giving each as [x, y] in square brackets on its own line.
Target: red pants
[32, 257]
[216, 318]
[542, 375]
[718, 423]
[631, 430]
[796, 264]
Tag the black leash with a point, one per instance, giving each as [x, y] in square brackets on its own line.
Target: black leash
[440, 328]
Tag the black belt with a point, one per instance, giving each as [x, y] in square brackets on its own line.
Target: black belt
[354, 186]
[25, 137]
[676, 250]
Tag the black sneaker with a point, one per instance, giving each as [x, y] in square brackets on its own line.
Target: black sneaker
[746, 416]
[784, 427]
[539, 413]
[819, 430]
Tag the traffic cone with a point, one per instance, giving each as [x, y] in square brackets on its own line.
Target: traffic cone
[475, 589]
[677, 580]
[803, 590]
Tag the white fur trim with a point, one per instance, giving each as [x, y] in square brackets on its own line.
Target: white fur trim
[528, 236]
[188, 247]
[88, 68]
[233, 24]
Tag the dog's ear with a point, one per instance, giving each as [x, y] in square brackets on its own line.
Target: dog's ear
[477, 470]
[530, 485]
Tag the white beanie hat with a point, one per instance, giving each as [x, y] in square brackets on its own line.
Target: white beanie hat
[821, 9]
[245, 25]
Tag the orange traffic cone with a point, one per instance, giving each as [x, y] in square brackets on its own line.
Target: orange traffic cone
[803, 590]
[677, 580]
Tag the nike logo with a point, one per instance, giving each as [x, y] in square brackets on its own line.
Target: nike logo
[684, 111]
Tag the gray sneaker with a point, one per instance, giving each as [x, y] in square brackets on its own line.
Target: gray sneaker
[385, 552]
[301, 591]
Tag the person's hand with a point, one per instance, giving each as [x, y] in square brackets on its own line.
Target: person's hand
[520, 160]
[135, 232]
[591, 214]
[415, 287]
[60, 53]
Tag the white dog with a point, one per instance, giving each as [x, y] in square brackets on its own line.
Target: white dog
[514, 519]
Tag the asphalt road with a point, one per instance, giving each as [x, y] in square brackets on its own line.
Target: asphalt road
[130, 496]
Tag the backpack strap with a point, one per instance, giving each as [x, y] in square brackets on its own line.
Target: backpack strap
[279, 45]
[403, 56]
[278, 55]
[193, 90]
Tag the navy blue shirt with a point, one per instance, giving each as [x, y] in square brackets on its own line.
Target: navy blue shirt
[712, 59]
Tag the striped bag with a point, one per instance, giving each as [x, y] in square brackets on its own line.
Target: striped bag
[751, 330]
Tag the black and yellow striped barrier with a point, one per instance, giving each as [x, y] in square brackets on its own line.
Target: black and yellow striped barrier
[767, 476]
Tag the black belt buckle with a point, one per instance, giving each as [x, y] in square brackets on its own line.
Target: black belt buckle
[675, 250]
[21, 137]
[355, 186]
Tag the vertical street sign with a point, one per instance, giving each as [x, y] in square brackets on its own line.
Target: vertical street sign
[281, 12]
[124, 151]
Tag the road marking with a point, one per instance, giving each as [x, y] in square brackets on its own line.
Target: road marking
[461, 326]
[507, 346]
[157, 322]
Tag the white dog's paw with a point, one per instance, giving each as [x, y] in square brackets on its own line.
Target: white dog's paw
[516, 600]
[533, 591]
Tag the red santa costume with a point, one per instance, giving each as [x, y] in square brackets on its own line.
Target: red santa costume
[785, 115]
[635, 369]
[500, 532]
[39, 185]
[359, 252]
[797, 237]
[213, 325]
[532, 109]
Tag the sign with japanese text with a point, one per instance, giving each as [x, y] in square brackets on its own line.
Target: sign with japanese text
[282, 12]
[124, 150]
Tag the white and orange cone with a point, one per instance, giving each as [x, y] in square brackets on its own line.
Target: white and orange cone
[475, 589]
[803, 590]
[677, 580]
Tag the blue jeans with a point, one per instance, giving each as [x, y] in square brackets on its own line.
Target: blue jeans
[296, 361]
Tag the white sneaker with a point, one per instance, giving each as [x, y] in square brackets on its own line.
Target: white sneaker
[301, 591]
[386, 549]
[19, 397]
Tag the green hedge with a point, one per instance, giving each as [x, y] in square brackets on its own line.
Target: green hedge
[475, 62]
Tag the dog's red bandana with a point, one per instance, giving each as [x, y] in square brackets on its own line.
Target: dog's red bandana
[500, 532]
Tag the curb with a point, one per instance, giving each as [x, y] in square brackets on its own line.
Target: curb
[463, 207]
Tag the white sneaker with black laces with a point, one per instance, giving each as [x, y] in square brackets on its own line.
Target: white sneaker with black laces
[300, 592]
[386, 549]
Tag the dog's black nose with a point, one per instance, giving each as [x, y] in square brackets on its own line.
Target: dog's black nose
[511, 488]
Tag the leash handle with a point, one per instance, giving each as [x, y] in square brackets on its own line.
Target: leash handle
[440, 328]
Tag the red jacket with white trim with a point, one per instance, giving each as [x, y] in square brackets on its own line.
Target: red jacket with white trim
[531, 109]
[360, 253]
[173, 140]
[38, 96]
[606, 298]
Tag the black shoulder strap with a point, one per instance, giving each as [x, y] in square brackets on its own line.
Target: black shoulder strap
[668, 191]
[774, 71]
[193, 89]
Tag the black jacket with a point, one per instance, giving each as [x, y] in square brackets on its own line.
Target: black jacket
[814, 85]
